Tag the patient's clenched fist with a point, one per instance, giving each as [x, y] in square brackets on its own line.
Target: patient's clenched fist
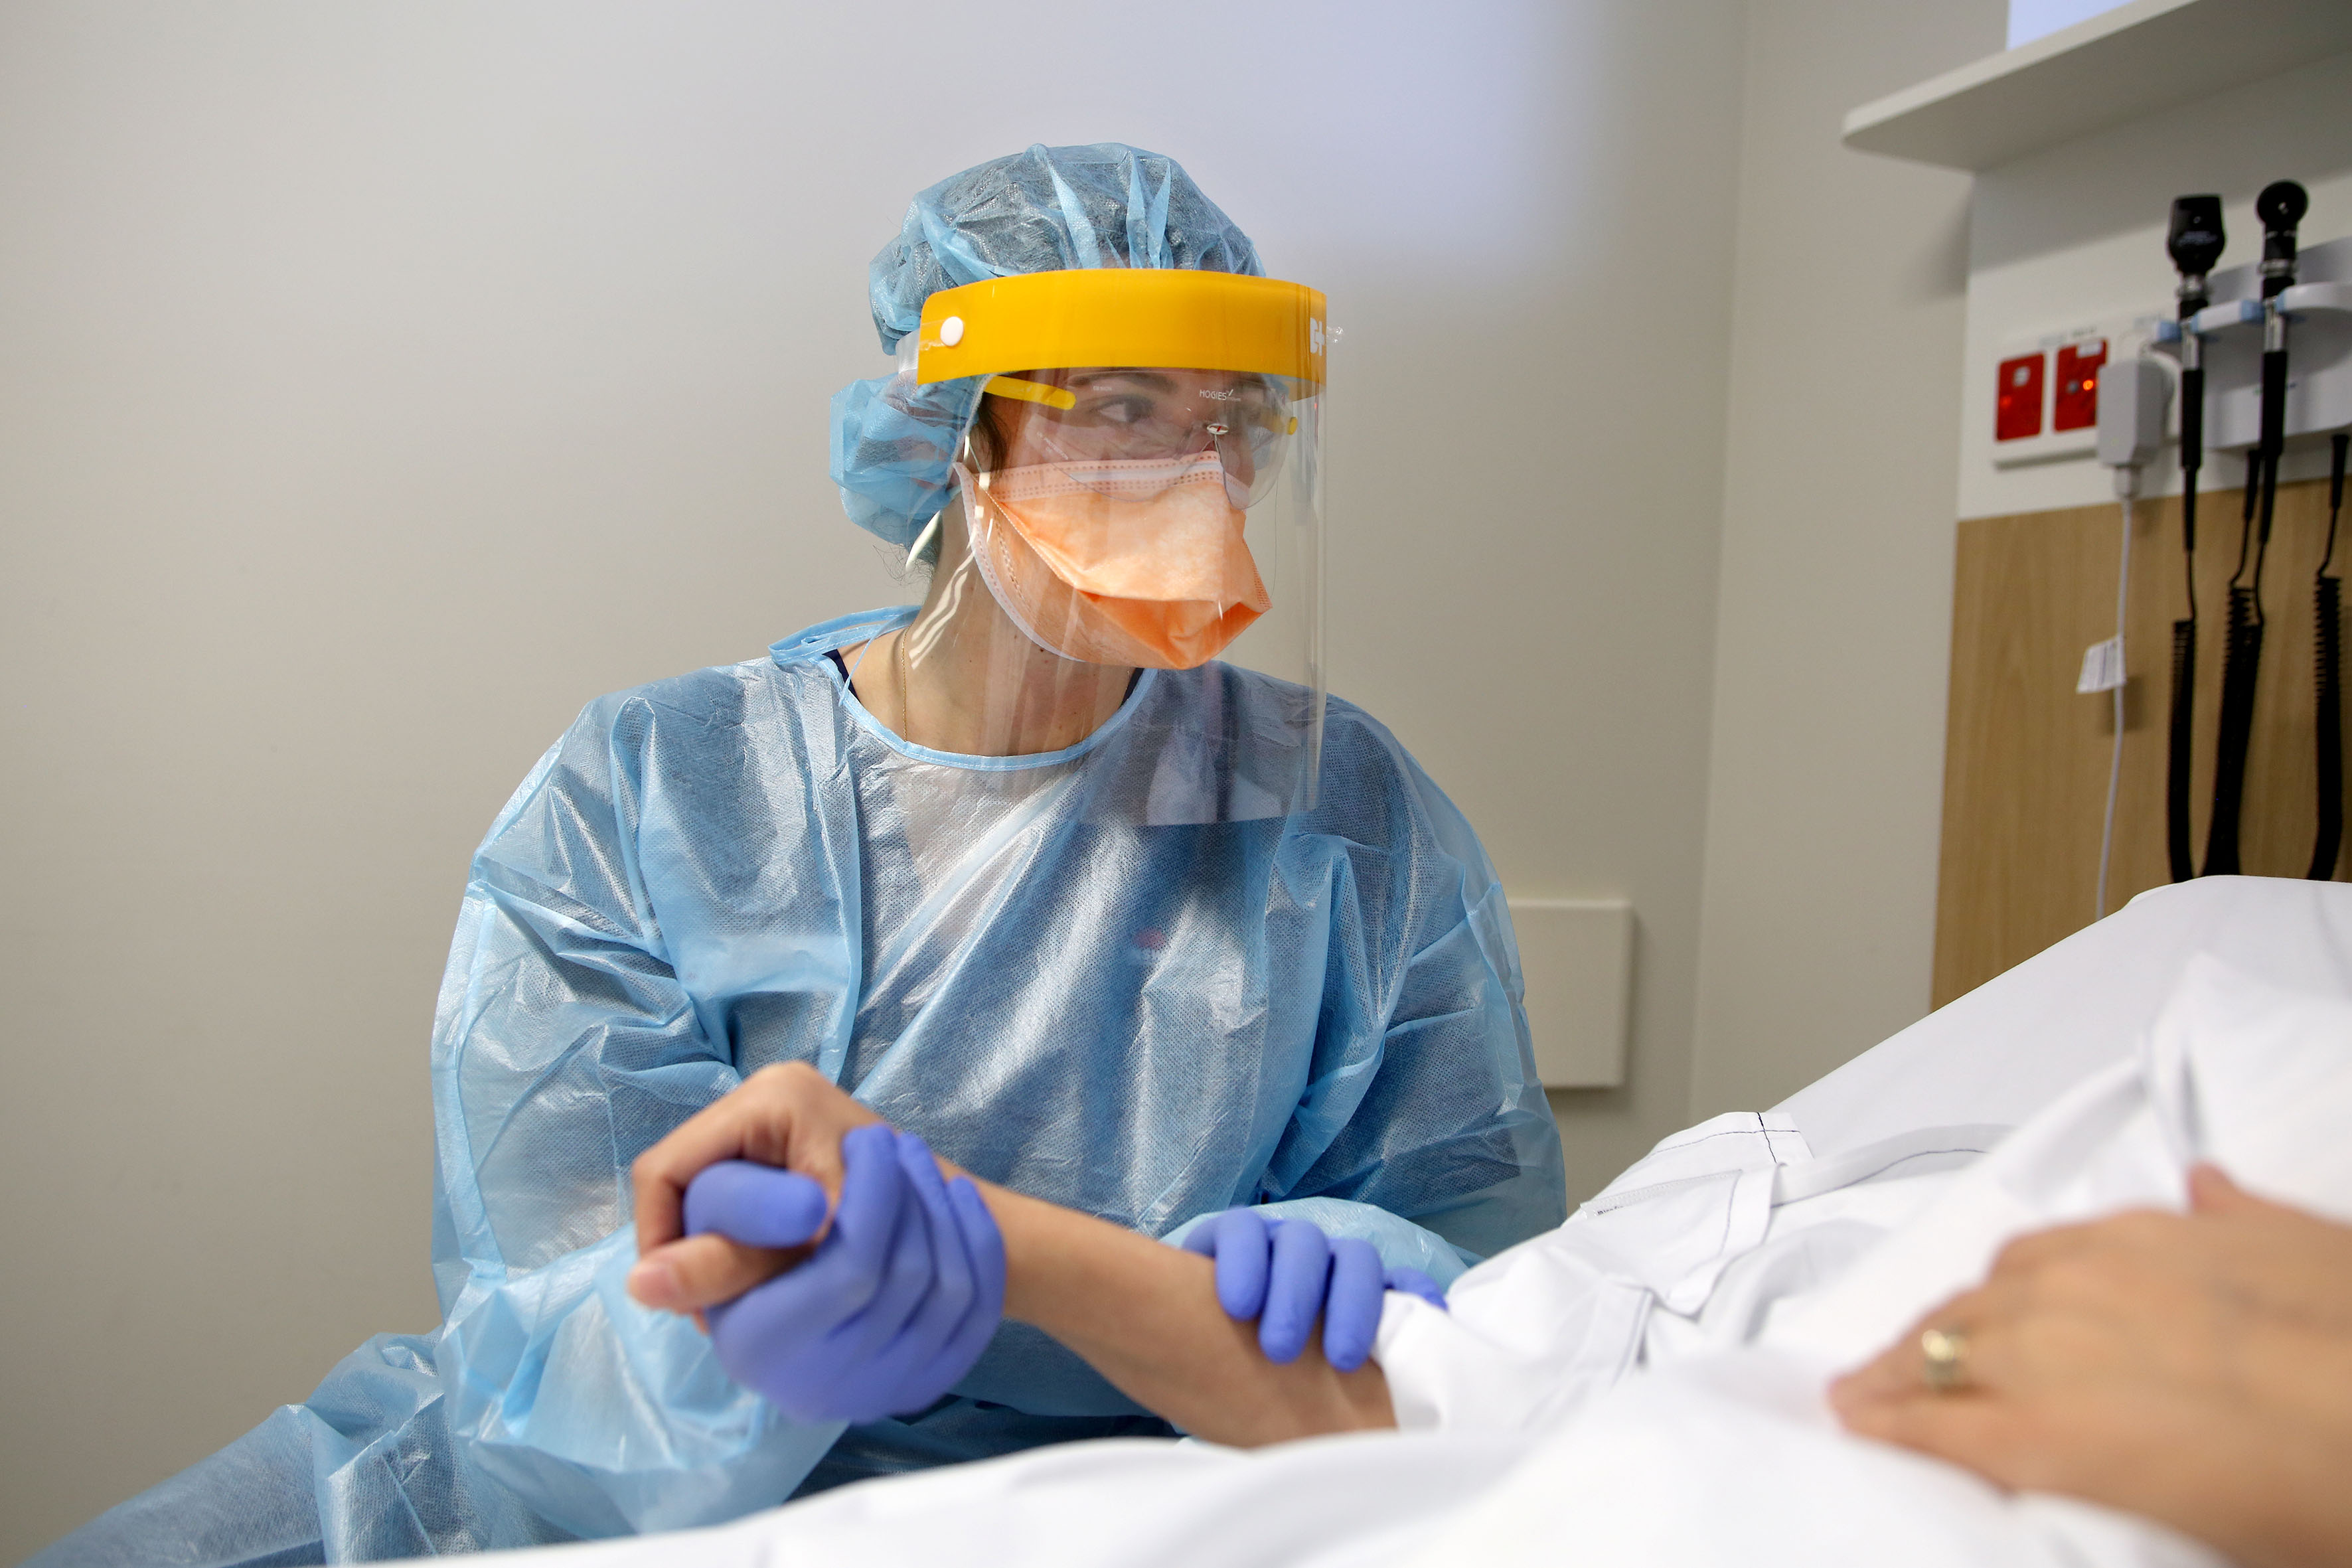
[789, 1117]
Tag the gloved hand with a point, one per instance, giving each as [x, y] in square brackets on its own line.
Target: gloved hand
[1285, 1272]
[896, 1303]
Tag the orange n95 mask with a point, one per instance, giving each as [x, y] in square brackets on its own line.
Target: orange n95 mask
[1122, 561]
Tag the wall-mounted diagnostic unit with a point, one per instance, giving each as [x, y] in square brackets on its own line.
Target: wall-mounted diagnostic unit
[2261, 354]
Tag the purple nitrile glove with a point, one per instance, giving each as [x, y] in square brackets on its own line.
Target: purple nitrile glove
[1286, 1273]
[895, 1304]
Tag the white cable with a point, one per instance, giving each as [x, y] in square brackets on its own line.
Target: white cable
[2116, 760]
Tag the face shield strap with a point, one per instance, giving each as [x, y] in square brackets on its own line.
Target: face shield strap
[1025, 391]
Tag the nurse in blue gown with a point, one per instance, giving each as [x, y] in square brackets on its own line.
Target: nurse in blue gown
[1107, 947]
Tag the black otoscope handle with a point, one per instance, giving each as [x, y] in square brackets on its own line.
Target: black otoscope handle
[2180, 758]
[2195, 240]
[2192, 450]
[2192, 418]
[2274, 433]
[2179, 750]
[2281, 207]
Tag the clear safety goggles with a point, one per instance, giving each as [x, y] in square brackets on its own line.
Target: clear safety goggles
[1112, 428]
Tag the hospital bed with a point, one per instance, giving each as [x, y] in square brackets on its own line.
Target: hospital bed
[1643, 1385]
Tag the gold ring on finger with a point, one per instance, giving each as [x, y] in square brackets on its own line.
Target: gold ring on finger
[1943, 1357]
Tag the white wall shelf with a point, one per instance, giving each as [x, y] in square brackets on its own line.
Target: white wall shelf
[2133, 61]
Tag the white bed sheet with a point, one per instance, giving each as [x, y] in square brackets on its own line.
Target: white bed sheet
[1725, 1453]
[1643, 1386]
[2015, 1044]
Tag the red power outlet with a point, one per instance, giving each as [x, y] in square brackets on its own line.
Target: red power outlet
[2018, 413]
[2076, 406]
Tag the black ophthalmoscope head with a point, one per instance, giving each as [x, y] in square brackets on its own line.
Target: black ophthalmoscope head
[2281, 207]
[2195, 241]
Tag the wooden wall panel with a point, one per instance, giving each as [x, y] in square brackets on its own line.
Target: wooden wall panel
[2025, 771]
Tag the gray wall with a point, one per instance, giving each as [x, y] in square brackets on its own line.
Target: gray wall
[1832, 631]
[380, 381]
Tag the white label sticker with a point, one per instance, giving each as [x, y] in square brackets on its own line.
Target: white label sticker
[2103, 666]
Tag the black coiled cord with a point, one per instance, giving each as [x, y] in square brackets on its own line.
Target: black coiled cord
[2327, 600]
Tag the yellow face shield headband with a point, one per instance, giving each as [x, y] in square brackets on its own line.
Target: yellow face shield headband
[1122, 316]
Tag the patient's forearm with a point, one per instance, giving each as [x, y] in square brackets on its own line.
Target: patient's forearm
[1146, 1316]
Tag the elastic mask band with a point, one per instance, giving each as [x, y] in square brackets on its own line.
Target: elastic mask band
[1139, 478]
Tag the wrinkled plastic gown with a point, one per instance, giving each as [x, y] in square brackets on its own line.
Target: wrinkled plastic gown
[739, 866]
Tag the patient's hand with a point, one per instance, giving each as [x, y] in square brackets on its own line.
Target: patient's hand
[2193, 1368]
[790, 1116]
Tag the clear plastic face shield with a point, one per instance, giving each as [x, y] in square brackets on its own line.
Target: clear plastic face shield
[1136, 543]
[1113, 521]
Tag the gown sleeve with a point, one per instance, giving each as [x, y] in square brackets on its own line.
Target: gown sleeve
[1423, 1127]
[564, 1045]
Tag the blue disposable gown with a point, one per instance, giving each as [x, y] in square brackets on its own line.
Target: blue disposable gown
[739, 866]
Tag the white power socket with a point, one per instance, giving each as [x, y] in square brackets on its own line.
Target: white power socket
[2065, 364]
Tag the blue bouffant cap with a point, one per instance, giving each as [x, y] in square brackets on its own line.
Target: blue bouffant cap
[1043, 210]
